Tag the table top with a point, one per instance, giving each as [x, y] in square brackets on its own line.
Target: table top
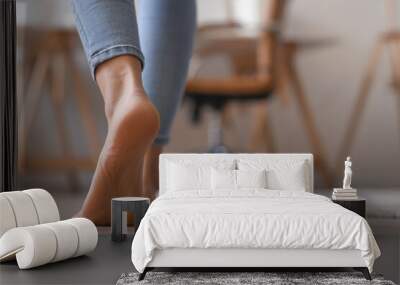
[349, 200]
[130, 199]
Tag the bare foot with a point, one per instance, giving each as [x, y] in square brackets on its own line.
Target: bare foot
[133, 123]
[150, 172]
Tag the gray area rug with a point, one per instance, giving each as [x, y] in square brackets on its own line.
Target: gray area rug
[269, 278]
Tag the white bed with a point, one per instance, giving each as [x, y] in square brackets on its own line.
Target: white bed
[248, 227]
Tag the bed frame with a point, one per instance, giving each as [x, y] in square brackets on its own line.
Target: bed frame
[245, 259]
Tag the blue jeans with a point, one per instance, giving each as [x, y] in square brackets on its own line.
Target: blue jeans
[108, 28]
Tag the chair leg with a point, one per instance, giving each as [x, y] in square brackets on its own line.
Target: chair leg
[261, 137]
[143, 274]
[85, 110]
[359, 107]
[364, 271]
[57, 95]
[29, 105]
[215, 133]
[309, 121]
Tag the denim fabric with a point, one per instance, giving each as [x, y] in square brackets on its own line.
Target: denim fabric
[161, 38]
[107, 29]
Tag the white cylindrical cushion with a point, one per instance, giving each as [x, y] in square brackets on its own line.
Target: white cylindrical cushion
[26, 208]
[33, 246]
[45, 205]
[87, 233]
[41, 244]
[23, 208]
[67, 240]
[7, 218]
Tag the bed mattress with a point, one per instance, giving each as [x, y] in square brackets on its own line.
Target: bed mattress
[251, 219]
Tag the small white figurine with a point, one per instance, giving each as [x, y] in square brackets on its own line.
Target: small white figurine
[347, 174]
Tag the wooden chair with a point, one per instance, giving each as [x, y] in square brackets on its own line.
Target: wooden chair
[391, 41]
[53, 62]
[263, 66]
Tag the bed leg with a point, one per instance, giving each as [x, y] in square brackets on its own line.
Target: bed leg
[364, 271]
[143, 274]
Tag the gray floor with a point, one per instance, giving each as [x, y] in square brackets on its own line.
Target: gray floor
[110, 260]
[103, 266]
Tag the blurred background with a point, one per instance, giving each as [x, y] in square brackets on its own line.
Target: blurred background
[266, 76]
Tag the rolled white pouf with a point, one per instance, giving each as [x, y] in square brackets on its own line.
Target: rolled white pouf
[87, 234]
[23, 208]
[32, 246]
[67, 240]
[46, 207]
[37, 245]
[7, 218]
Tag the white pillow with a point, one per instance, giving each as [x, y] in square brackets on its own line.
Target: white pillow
[226, 179]
[185, 174]
[281, 174]
[289, 179]
[251, 178]
[223, 179]
[181, 178]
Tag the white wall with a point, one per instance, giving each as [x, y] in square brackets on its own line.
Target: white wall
[43, 13]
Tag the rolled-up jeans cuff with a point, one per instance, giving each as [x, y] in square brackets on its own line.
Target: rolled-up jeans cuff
[111, 52]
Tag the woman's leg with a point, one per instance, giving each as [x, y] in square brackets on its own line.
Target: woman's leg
[166, 30]
[109, 34]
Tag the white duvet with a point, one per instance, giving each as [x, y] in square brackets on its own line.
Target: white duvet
[250, 219]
